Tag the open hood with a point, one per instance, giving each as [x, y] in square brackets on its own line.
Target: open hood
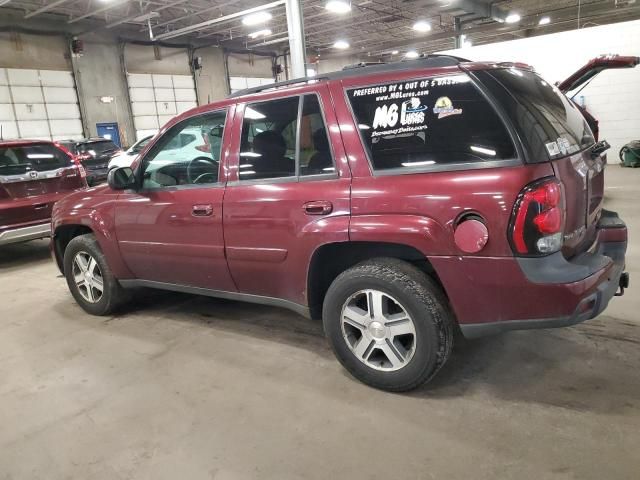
[594, 67]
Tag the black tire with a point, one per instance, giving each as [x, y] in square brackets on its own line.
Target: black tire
[113, 295]
[422, 299]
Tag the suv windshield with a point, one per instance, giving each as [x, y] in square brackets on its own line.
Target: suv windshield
[41, 158]
[549, 122]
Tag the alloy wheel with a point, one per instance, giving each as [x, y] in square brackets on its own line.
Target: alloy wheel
[378, 330]
[88, 277]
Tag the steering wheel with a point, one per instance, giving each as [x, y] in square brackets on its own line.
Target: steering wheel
[201, 160]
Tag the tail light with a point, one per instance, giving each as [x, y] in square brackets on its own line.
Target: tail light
[75, 160]
[537, 222]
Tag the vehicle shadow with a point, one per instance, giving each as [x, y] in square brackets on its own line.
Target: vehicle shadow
[19, 255]
[590, 367]
[257, 321]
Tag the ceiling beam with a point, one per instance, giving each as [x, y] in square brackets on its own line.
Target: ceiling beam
[46, 8]
[109, 6]
[226, 18]
[147, 11]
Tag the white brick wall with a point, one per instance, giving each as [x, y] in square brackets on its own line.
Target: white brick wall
[613, 97]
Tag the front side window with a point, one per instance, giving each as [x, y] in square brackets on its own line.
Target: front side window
[429, 122]
[280, 140]
[188, 154]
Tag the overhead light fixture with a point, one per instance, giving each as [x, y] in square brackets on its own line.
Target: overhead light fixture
[544, 21]
[513, 18]
[146, 16]
[412, 54]
[257, 18]
[395, 52]
[422, 26]
[338, 6]
[341, 45]
[261, 33]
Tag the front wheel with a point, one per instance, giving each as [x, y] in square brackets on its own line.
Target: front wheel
[388, 323]
[89, 278]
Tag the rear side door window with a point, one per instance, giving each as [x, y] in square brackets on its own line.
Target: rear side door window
[285, 138]
[431, 123]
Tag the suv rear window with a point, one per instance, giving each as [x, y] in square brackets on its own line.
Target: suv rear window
[549, 122]
[97, 147]
[431, 122]
[41, 158]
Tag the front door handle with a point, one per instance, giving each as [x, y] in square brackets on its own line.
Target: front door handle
[202, 210]
[319, 207]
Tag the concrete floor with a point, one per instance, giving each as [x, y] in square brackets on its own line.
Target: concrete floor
[196, 388]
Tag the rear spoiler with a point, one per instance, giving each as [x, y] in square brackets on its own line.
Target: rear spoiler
[594, 67]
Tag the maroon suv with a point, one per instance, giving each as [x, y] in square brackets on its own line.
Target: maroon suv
[396, 202]
[34, 174]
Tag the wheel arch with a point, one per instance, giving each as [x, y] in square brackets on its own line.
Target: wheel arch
[331, 259]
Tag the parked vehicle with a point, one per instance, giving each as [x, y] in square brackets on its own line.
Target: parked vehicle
[95, 154]
[34, 174]
[396, 202]
[126, 158]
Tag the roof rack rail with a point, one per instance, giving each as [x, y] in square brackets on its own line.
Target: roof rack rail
[285, 83]
[362, 64]
[424, 61]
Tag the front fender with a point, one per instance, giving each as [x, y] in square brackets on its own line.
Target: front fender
[100, 221]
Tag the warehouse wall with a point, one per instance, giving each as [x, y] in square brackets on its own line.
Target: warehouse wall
[613, 97]
[100, 75]
[211, 80]
[33, 51]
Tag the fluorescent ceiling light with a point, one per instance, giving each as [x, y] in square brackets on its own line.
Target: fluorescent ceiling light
[422, 26]
[341, 45]
[418, 164]
[338, 6]
[257, 18]
[261, 33]
[485, 151]
[395, 52]
[544, 21]
[512, 18]
[146, 16]
[412, 54]
[252, 114]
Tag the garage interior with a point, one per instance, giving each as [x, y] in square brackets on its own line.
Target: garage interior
[183, 386]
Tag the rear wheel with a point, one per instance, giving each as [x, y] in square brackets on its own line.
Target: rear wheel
[388, 323]
[89, 278]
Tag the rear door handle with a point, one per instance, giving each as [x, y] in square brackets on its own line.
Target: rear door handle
[202, 210]
[319, 207]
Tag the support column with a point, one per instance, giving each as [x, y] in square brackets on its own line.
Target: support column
[295, 24]
[457, 29]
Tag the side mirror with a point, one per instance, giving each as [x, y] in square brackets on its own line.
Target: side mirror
[121, 178]
[599, 148]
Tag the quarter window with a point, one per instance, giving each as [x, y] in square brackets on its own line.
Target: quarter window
[430, 122]
[188, 154]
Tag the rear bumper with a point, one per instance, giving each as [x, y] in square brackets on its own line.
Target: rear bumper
[546, 292]
[24, 234]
